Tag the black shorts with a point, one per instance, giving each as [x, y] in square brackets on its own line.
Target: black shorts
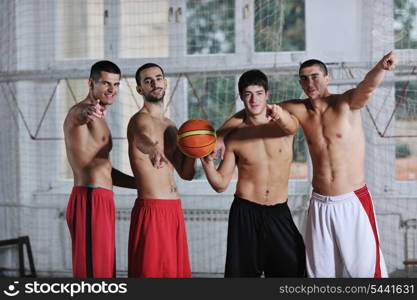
[263, 239]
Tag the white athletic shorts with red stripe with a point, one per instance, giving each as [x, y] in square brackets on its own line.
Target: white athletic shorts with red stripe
[342, 237]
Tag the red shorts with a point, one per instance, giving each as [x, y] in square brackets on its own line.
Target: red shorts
[91, 222]
[157, 240]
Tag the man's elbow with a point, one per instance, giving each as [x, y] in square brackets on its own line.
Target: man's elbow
[291, 130]
[187, 173]
[354, 105]
[187, 176]
[219, 189]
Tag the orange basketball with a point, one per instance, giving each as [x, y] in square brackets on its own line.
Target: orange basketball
[196, 138]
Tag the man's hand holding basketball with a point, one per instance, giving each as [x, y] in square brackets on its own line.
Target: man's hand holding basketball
[209, 159]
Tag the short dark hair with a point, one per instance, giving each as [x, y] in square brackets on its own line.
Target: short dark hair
[103, 66]
[253, 77]
[144, 67]
[313, 62]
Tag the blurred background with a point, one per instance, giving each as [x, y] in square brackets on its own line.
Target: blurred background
[47, 48]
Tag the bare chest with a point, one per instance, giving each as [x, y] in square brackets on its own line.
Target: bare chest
[327, 128]
[260, 151]
[100, 135]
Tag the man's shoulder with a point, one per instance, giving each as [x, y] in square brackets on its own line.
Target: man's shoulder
[294, 102]
[236, 132]
[295, 105]
[70, 121]
[337, 96]
[73, 108]
[339, 100]
[141, 117]
[169, 122]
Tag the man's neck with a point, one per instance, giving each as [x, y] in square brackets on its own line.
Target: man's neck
[155, 109]
[254, 120]
[320, 103]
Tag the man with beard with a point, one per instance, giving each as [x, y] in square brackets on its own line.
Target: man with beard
[91, 211]
[157, 238]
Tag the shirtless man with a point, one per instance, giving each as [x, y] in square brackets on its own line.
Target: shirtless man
[157, 238]
[342, 237]
[91, 211]
[262, 237]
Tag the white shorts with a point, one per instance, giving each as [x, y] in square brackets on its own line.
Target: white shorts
[342, 237]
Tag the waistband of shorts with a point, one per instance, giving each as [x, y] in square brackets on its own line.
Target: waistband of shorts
[150, 202]
[359, 192]
[248, 203]
[77, 188]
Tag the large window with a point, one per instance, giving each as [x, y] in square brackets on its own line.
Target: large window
[144, 28]
[211, 98]
[210, 26]
[80, 31]
[405, 24]
[406, 130]
[279, 25]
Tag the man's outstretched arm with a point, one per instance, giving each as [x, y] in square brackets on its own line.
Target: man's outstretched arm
[142, 137]
[231, 123]
[359, 96]
[287, 122]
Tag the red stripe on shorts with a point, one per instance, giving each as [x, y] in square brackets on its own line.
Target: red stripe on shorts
[366, 201]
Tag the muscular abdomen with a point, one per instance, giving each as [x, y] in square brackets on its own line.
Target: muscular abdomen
[88, 156]
[152, 182]
[264, 168]
[97, 173]
[338, 163]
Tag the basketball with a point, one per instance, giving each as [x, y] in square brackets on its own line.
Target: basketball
[196, 138]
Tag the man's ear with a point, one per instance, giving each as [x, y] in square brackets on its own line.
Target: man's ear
[90, 83]
[139, 89]
[327, 78]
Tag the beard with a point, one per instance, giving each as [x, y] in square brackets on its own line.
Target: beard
[153, 99]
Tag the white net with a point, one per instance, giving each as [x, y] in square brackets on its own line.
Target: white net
[47, 48]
